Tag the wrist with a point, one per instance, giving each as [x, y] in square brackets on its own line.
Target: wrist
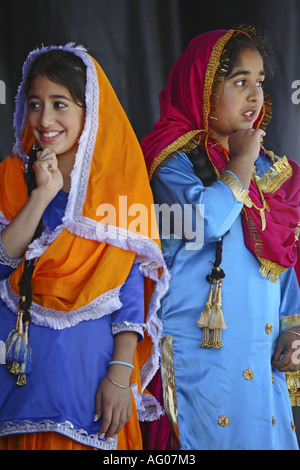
[40, 198]
[119, 373]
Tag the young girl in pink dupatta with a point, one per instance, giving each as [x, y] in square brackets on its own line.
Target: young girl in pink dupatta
[233, 307]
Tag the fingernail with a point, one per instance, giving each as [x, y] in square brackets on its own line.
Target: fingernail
[96, 417]
[102, 436]
[109, 439]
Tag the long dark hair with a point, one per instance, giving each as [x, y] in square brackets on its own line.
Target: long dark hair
[68, 70]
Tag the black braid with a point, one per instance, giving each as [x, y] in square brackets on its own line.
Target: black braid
[25, 283]
[205, 171]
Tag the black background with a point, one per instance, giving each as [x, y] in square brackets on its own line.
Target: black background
[137, 41]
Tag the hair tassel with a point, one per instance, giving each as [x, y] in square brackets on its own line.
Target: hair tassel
[217, 322]
[211, 319]
[204, 319]
[18, 351]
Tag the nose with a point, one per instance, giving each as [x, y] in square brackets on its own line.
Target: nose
[46, 117]
[254, 94]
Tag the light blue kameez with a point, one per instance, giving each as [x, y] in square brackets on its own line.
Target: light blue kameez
[214, 383]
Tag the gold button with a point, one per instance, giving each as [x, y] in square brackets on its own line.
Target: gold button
[273, 422]
[248, 374]
[269, 328]
[223, 421]
[293, 426]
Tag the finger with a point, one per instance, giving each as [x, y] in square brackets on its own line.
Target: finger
[277, 353]
[124, 417]
[48, 161]
[43, 153]
[114, 424]
[282, 363]
[98, 407]
[106, 421]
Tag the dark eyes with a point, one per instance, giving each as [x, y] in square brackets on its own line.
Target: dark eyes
[243, 82]
[36, 105]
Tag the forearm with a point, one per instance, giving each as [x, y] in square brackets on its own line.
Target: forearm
[124, 349]
[19, 233]
[243, 169]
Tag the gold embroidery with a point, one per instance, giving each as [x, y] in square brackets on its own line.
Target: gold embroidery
[168, 374]
[289, 321]
[270, 269]
[297, 232]
[293, 384]
[293, 426]
[269, 328]
[237, 190]
[211, 69]
[223, 421]
[186, 142]
[248, 374]
[277, 174]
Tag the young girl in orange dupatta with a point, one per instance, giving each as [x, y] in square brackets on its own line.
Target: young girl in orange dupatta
[233, 306]
[81, 278]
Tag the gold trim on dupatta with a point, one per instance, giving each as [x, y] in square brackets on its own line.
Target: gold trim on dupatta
[293, 384]
[168, 375]
[186, 142]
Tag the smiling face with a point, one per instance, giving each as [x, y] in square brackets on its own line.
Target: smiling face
[54, 118]
[240, 98]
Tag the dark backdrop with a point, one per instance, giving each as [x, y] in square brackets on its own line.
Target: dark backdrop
[137, 41]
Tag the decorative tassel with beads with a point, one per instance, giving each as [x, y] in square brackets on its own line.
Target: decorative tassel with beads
[18, 351]
[217, 322]
[204, 319]
[211, 319]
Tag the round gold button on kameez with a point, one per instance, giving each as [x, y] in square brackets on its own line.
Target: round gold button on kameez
[248, 374]
[223, 421]
[269, 328]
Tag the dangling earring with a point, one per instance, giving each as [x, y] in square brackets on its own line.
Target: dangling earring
[36, 146]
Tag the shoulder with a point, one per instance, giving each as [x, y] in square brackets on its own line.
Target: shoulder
[178, 164]
[13, 186]
[12, 166]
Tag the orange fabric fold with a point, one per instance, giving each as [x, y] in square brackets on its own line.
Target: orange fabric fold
[40, 441]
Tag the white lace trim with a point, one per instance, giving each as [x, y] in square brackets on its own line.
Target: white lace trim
[42, 316]
[127, 326]
[4, 258]
[66, 428]
[148, 408]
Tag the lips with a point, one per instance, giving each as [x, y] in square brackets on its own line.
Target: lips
[250, 114]
[49, 136]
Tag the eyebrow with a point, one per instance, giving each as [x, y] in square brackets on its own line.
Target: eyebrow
[52, 96]
[245, 72]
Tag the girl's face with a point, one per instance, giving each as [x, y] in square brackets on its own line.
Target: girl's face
[54, 118]
[240, 98]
